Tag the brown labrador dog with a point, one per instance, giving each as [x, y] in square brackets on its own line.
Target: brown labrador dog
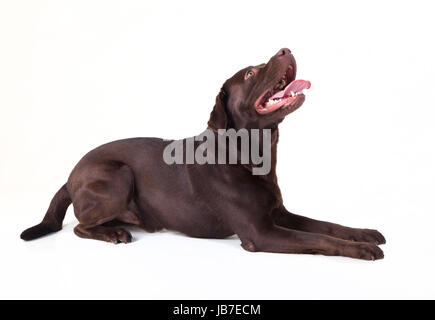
[127, 182]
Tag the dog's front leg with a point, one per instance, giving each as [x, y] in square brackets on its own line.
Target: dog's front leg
[271, 238]
[286, 219]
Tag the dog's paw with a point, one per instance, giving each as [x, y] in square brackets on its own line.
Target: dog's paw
[366, 235]
[365, 251]
[119, 235]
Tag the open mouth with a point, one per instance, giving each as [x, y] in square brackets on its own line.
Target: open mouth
[283, 94]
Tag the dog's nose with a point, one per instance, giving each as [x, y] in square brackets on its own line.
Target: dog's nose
[283, 52]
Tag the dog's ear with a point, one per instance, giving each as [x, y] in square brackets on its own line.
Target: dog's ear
[218, 117]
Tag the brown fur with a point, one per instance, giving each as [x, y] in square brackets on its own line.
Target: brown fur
[127, 182]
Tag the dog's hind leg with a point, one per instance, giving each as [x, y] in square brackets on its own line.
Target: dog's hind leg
[102, 200]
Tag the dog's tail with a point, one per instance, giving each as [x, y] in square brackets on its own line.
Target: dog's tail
[52, 221]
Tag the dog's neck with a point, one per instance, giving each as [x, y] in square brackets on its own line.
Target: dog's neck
[273, 149]
[270, 178]
[274, 137]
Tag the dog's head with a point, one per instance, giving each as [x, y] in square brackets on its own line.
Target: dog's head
[261, 96]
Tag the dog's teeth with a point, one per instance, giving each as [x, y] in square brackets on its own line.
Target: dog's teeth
[271, 101]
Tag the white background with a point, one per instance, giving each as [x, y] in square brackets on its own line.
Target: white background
[360, 152]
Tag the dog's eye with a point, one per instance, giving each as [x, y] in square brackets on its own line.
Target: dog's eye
[249, 74]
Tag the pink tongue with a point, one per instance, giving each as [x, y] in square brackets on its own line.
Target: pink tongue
[295, 86]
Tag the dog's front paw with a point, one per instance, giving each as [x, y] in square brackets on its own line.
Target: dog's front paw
[366, 235]
[365, 251]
